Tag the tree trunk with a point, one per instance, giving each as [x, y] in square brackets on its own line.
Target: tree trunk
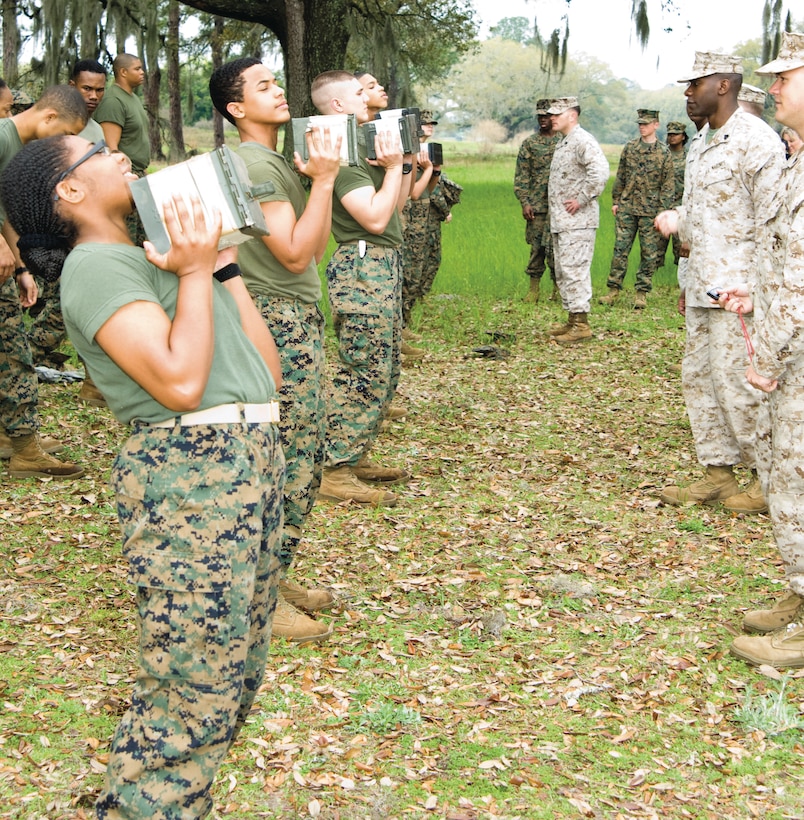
[150, 46]
[11, 43]
[311, 43]
[176, 151]
[217, 62]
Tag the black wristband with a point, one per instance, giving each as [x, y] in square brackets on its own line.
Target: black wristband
[407, 167]
[228, 272]
[20, 271]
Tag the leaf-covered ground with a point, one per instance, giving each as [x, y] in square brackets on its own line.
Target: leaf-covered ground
[529, 634]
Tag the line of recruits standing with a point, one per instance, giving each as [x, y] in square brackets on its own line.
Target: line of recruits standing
[217, 367]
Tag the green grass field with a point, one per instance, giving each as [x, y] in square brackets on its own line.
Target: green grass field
[484, 246]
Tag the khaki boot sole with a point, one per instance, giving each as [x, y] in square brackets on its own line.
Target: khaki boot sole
[381, 501]
[784, 612]
[745, 503]
[53, 473]
[278, 632]
[683, 497]
[568, 339]
[381, 475]
[768, 650]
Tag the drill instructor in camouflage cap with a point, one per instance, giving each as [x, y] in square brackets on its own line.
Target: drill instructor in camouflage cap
[644, 185]
[530, 188]
[777, 369]
[578, 174]
[731, 191]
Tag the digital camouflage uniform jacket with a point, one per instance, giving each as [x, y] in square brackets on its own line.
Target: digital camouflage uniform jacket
[679, 169]
[533, 170]
[645, 182]
[579, 170]
[731, 192]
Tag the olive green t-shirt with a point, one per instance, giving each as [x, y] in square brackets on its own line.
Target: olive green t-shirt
[127, 111]
[98, 280]
[262, 271]
[345, 228]
[10, 146]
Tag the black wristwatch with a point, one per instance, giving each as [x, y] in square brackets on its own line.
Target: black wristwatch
[19, 271]
[407, 167]
[228, 272]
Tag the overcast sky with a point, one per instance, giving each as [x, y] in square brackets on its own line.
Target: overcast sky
[603, 28]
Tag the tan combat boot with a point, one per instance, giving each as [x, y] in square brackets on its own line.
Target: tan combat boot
[610, 298]
[640, 300]
[412, 352]
[782, 613]
[579, 330]
[532, 296]
[395, 412]
[90, 395]
[366, 471]
[49, 445]
[312, 600]
[718, 484]
[295, 626]
[409, 336]
[783, 649]
[341, 484]
[29, 460]
[560, 330]
[751, 501]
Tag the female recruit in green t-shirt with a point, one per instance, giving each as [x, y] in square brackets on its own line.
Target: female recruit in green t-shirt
[198, 481]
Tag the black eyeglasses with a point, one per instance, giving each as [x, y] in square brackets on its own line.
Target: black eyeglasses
[99, 147]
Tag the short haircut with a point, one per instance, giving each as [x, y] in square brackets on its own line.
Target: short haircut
[361, 73]
[90, 66]
[226, 84]
[3, 84]
[124, 61]
[319, 90]
[735, 82]
[66, 100]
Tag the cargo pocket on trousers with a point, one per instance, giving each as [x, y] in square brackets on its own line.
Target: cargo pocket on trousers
[184, 602]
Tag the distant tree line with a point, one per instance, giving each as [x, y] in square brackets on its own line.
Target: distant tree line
[180, 44]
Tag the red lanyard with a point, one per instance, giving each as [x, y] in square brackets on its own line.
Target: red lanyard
[749, 345]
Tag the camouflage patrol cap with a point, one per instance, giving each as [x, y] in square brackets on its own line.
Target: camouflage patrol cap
[676, 127]
[790, 56]
[426, 117]
[20, 101]
[645, 116]
[561, 104]
[708, 63]
[542, 106]
[751, 94]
